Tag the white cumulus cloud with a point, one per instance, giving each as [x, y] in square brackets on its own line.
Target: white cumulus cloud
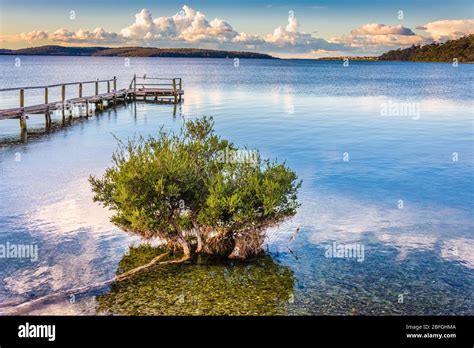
[382, 29]
[380, 36]
[84, 36]
[34, 35]
[449, 29]
[188, 25]
[290, 39]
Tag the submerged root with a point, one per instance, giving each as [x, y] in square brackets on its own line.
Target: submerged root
[247, 245]
[218, 245]
[25, 307]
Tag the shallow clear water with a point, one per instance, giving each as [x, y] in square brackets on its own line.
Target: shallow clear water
[401, 187]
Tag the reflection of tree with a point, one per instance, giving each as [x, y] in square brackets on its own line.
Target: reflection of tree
[204, 286]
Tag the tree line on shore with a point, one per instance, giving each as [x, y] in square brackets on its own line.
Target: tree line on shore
[461, 49]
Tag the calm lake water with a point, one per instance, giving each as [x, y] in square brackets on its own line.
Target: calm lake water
[399, 188]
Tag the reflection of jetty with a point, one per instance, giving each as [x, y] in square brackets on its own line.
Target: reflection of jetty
[159, 90]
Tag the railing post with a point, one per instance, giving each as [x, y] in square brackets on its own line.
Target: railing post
[96, 87]
[22, 98]
[46, 95]
[23, 115]
[63, 97]
[80, 90]
[115, 83]
[174, 91]
[134, 87]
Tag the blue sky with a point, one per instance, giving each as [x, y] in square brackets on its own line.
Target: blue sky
[334, 27]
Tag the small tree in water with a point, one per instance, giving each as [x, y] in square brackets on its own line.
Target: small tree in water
[197, 191]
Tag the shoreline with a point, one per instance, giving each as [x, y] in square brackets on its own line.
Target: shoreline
[249, 58]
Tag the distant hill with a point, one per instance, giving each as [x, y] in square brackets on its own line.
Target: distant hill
[55, 51]
[132, 52]
[462, 49]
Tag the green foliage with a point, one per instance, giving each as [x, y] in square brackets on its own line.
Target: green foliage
[244, 194]
[180, 185]
[462, 49]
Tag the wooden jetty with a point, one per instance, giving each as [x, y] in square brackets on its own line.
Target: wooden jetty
[160, 90]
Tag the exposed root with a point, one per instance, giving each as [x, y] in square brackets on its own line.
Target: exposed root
[28, 306]
[131, 272]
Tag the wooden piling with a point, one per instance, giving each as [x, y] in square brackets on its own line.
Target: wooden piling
[46, 97]
[97, 87]
[80, 90]
[23, 122]
[47, 117]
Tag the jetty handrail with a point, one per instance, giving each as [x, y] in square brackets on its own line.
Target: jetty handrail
[155, 84]
[156, 78]
[63, 89]
[57, 85]
[176, 84]
[173, 82]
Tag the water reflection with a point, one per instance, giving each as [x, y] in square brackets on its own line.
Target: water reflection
[70, 231]
[417, 228]
[203, 287]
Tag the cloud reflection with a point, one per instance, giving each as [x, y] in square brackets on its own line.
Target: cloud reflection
[343, 220]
